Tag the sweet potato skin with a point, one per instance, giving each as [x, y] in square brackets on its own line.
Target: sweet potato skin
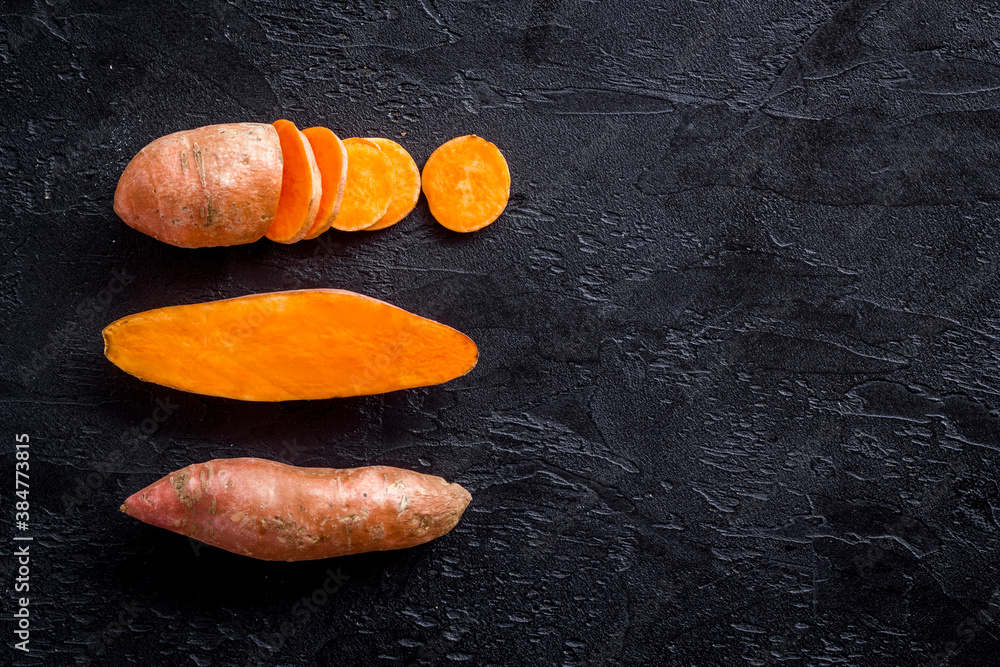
[284, 346]
[273, 511]
[212, 186]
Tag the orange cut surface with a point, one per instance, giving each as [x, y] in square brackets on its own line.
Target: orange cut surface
[407, 184]
[331, 156]
[467, 183]
[371, 183]
[301, 186]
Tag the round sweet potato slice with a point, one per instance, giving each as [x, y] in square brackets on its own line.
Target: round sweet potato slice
[331, 156]
[217, 185]
[407, 184]
[467, 183]
[371, 183]
[301, 186]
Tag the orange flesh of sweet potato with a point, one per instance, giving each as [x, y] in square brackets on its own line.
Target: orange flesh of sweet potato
[371, 183]
[272, 511]
[331, 156]
[407, 191]
[467, 183]
[284, 346]
[213, 186]
[301, 186]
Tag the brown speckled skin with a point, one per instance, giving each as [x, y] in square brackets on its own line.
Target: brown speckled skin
[273, 511]
[213, 186]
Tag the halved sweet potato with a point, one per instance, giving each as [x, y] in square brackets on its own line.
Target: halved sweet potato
[331, 156]
[217, 185]
[371, 183]
[407, 191]
[301, 186]
[284, 346]
[467, 183]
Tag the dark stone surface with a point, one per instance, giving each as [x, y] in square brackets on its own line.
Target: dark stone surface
[737, 398]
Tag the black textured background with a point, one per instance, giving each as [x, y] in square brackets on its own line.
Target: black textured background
[737, 395]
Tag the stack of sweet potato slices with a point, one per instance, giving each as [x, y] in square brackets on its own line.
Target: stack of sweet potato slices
[349, 185]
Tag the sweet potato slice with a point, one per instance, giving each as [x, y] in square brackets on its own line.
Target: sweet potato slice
[217, 185]
[407, 184]
[301, 186]
[284, 346]
[371, 183]
[467, 183]
[331, 156]
[273, 511]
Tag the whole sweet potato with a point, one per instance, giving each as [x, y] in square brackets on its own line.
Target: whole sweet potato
[213, 186]
[273, 511]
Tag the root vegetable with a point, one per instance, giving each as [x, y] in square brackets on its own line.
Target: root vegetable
[284, 346]
[407, 191]
[331, 156]
[371, 183]
[467, 183]
[301, 186]
[213, 186]
[272, 511]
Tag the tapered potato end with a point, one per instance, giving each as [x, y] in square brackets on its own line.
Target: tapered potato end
[160, 504]
[458, 500]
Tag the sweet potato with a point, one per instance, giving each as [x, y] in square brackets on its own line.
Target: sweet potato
[371, 183]
[213, 186]
[301, 186]
[331, 156]
[407, 191]
[273, 511]
[467, 183]
[284, 346]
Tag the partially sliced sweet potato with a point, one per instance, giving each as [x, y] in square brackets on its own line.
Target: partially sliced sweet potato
[407, 192]
[371, 183]
[331, 156]
[301, 186]
[284, 346]
[467, 183]
[217, 185]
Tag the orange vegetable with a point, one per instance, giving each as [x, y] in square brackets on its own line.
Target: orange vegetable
[272, 511]
[371, 183]
[284, 346]
[331, 156]
[467, 183]
[213, 186]
[301, 186]
[407, 191]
